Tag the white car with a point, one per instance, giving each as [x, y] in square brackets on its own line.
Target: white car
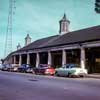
[70, 70]
[14, 67]
[1, 66]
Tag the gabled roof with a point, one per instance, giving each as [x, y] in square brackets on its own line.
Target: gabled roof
[38, 43]
[80, 36]
[84, 35]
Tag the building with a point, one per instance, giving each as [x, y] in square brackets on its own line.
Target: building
[81, 47]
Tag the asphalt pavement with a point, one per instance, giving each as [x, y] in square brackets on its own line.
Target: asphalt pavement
[21, 86]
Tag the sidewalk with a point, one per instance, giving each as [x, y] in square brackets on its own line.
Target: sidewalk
[94, 75]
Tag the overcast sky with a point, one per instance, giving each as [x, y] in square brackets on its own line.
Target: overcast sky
[40, 18]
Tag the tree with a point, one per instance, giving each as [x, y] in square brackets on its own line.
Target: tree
[97, 6]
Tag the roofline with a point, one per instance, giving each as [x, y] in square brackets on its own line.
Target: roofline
[63, 44]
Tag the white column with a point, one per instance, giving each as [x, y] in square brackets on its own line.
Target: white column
[49, 58]
[28, 58]
[82, 57]
[14, 59]
[20, 60]
[63, 57]
[37, 60]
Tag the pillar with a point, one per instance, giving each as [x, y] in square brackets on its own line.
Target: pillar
[28, 58]
[20, 60]
[49, 58]
[37, 60]
[63, 57]
[82, 57]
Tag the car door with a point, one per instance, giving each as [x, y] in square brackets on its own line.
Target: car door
[62, 71]
[66, 70]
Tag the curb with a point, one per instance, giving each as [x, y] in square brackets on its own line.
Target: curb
[93, 76]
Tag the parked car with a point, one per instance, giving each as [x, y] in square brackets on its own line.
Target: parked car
[5, 67]
[70, 70]
[44, 69]
[1, 66]
[24, 68]
[30, 70]
[14, 68]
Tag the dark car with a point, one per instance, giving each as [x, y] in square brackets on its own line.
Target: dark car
[30, 70]
[44, 69]
[25, 68]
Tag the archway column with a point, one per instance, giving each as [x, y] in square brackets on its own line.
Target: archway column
[82, 58]
[20, 60]
[28, 58]
[49, 58]
[63, 57]
[37, 59]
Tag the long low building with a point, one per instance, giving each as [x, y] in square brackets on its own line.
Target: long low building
[80, 47]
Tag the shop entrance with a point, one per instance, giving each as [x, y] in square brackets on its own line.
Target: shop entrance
[56, 58]
[43, 58]
[73, 56]
[93, 60]
[33, 59]
[24, 59]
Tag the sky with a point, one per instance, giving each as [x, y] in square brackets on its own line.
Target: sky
[40, 18]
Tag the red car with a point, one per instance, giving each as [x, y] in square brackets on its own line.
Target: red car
[44, 69]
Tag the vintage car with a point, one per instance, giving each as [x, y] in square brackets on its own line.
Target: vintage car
[30, 70]
[71, 70]
[26, 68]
[44, 69]
[1, 66]
[13, 68]
[5, 67]
[23, 67]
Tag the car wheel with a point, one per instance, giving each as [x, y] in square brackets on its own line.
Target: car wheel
[69, 75]
[35, 73]
[83, 76]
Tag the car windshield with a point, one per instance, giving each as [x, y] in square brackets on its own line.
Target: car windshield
[43, 65]
[71, 66]
[24, 65]
[6, 65]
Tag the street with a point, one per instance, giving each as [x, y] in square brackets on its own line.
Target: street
[21, 86]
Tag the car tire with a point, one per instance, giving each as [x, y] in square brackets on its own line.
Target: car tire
[33, 72]
[83, 76]
[69, 75]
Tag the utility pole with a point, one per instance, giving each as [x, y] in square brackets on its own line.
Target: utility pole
[8, 42]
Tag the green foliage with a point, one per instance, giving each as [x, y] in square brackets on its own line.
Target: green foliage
[97, 6]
